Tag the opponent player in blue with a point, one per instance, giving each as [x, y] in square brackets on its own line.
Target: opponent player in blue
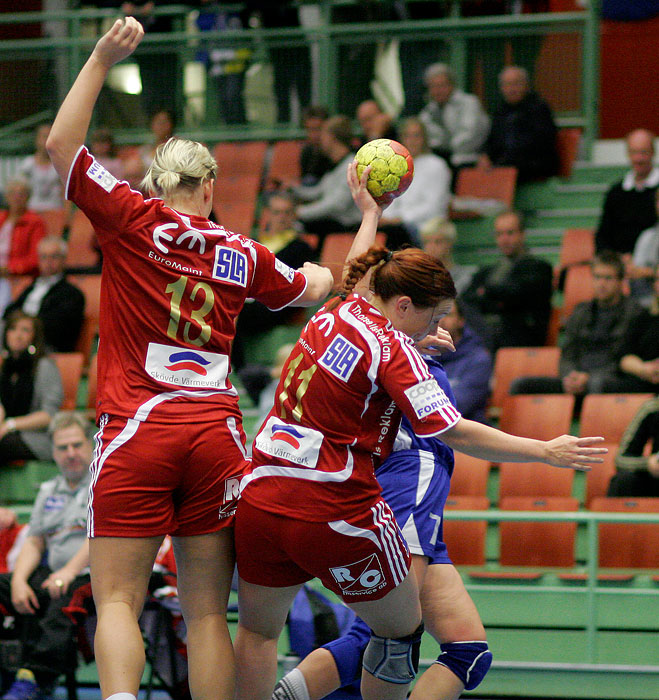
[415, 481]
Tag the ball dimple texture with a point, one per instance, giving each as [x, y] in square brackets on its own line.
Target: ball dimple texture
[392, 168]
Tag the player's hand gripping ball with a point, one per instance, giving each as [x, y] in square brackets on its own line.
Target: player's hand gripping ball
[392, 168]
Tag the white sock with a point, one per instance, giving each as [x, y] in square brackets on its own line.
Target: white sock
[121, 696]
[291, 687]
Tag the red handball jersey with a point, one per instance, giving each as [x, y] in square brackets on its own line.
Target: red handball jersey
[172, 287]
[336, 415]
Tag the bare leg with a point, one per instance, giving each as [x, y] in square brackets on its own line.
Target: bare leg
[398, 614]
[449, 615]
[205, 567]
[120, 571]
[262, 616]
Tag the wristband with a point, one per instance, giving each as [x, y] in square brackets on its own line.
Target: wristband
[10, 424]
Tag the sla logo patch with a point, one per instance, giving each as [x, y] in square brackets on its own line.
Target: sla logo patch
[101, 176]
[184, 367]
[426, 397]
[361, 577]
[230, 266]
[341, 357]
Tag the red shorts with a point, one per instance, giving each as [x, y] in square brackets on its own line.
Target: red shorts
[359, 560]
[153, 479]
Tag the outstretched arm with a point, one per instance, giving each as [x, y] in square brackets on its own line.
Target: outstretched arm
[70, 127]
[482, 441]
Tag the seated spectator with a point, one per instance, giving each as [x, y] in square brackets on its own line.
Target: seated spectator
[638, 370]
[328, 206]
[45, 186]
[282, 238]
[523, 132]
[594, 336]
[51, 565]
[508, 303]
[20, 231]
[629, 206]
[30, 391]
[638, 473]
[456, 123]
[314, 163]
[374, 123]
[469, 368]
[59, 304]
[103, 148]
[640, 269]
[437, 239]
[426, 198]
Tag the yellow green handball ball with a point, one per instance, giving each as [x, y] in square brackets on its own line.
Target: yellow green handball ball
[392, 168]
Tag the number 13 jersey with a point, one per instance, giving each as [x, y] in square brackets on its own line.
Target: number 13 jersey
[172, 287]
[336, 414]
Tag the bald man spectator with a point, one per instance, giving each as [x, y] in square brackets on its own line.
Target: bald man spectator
[59, 304]
[508, 303]
[456, 123]
[523, 132]
[374, 123]
[629, 206]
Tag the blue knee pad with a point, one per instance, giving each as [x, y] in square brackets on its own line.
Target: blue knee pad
[470, 661]
[348, 651]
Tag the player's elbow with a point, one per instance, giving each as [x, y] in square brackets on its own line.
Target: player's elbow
[319, 285]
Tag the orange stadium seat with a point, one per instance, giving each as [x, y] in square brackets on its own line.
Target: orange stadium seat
[18, 283]
[608, 415]
[598, 478]
[285, 163]
[567, 145]
[470, 476]
[578, 287]
[240, 158]
[533, 479]
[540, 416]
[54, 220]
[90, 285]
[465, 539]
[82, 253]
[494, 183]
[334, 251]
[577, 247]
[511, 363]
[70, 366]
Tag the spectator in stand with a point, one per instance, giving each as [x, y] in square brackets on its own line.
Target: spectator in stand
[59, 304]
[437, 239]
[51, 565]
[595, 335]
[21, 229]
[105, 151]
[282, 238]
[508, 303]
[427, 197]
[523, 132]
[469, 368]
[374, 123]
[638, 370]
[30, 391]
[328, 206]
[314, 163]
[637, 472]
[629, 207]
[641, 268]
[455, 122]
[46, 191]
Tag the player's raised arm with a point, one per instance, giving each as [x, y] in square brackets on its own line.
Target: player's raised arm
[70, 127]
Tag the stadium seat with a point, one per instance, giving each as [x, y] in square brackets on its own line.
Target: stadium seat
[540, 416]
[70, 366]
[238, 158]
[334, 251]
[82, 253]
[234, 202]
[608, 415]
[465, 539]
[633, 545]
[493, 185]
[577, 247]
[554, 327]
[285, 163]
[90, 285]
[518, 479]
[538, 543]
[470, 476]
[567, 145]
[54, 220]
[511, 363]
[18, 283]
[578, 287]
[598, 478]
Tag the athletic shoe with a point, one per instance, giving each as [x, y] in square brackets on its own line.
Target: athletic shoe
[24, 687]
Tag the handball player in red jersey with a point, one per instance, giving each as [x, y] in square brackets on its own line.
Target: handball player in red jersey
[170, 450]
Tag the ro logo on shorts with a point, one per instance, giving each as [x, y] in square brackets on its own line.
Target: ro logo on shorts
[360, 577]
